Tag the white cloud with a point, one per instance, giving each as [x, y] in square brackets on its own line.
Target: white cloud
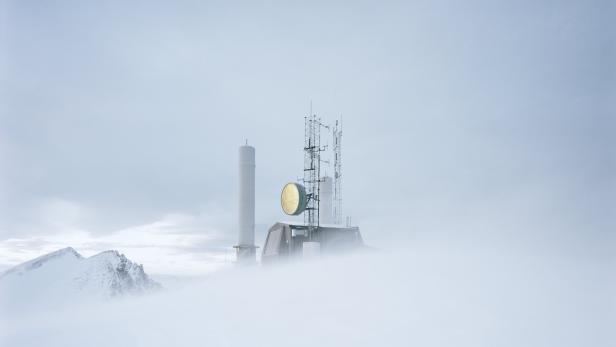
[425, 296]
[60, 214]
[177, 244]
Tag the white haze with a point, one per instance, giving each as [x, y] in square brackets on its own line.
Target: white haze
[483, 122]
[428, 295]
[478, 143]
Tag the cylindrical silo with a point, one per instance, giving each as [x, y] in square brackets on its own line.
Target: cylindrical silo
[326, 215]
[246, 242]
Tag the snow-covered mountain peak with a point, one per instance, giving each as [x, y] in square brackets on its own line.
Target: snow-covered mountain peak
[64, 254]
[117, 273]
[65, 275]
[65, 251]
[110, 254]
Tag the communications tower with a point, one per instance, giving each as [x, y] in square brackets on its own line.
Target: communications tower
[312, 169]
[337, 149]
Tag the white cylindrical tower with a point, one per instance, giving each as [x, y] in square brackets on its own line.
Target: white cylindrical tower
[246, 219]
[326, 213]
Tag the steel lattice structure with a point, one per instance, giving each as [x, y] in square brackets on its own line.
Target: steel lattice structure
[312, 169]
[337, 149]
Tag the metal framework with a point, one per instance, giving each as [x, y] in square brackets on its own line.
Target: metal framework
[337, 149]
[312, 169]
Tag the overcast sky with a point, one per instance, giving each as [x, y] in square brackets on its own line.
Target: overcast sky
[482, 122]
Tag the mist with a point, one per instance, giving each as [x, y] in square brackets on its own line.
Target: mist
[433, 296]
[483, 122]
[479, 162]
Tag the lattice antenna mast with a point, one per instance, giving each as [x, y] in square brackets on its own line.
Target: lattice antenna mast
[312, 169]
[337, 149]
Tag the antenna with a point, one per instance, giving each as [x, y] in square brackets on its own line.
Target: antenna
[337, 148]
[312, 169]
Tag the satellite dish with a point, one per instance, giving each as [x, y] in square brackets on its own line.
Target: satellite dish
[293, 199]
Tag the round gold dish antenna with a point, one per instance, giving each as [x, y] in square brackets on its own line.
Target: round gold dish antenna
[293, 199]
